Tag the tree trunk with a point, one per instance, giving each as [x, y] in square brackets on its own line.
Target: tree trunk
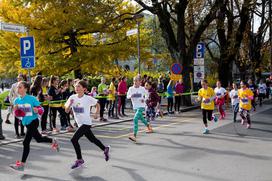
[225, 71]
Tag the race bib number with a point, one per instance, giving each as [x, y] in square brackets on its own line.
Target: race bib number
[245, 101]
[78, 110]
[235, 97]
[218, 94]
[26, 108]
[137, 95]
[207, 102]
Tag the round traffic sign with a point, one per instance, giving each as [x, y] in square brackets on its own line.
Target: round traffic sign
[176, 68]
[199, 74]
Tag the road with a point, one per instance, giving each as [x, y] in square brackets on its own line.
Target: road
[176, 151]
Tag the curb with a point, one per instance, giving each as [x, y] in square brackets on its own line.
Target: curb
[100, 125]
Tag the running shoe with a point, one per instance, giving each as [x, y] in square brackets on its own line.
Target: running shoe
[132, 138]
[2, 137]
[248, 126]
[19, 166]
[77, 164]
[55, 130]
[149, 129]
[107, 153]
[214, 118]
[55, 145]
[70, 129]
[206, 131]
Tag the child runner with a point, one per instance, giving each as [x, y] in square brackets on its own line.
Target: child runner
[234, 101]
[261, 91]
[27, 108]
[138, 96]
[80, 105]
[245, 97]
[253, 88]
[152, 102]
[206, 96]
[220, 93]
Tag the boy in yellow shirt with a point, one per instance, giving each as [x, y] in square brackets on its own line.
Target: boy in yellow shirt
[206, 95]
[245, 97]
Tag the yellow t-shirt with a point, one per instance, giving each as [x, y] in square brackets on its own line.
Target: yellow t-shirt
[245, 102]
[111, 96]
[206, 94]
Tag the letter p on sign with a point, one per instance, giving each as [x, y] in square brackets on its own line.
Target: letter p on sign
[26, 45]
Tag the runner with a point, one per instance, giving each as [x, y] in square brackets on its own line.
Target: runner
[253, 88]
[234, 101]
[261, 91]
[80, 105]
[138, 96]
[206, 96]
[220, 93]
[245, 97]
[152, 102]
[27, 108]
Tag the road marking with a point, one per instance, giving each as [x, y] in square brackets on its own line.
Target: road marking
[143, 130]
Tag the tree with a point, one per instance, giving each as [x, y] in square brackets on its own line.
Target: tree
[182, 25]
[79, 35]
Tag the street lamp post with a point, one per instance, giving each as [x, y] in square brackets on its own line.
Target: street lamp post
[137, 17]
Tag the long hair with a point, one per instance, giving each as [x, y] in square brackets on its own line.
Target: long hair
[52, 79]
[37, 84]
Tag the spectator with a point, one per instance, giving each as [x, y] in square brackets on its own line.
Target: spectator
[179, 89]
[111, 98]
[122, 91]
[103, 92]
[56, 95]
[170, 97]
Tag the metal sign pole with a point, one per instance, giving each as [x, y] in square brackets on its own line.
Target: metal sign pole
[29, 73]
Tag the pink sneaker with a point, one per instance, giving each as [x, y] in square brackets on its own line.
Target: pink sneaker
[248, 126]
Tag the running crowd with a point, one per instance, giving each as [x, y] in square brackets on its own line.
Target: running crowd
[30, 104]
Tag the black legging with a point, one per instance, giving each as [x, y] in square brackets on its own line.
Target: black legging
[102, 102]
[170, 101]
[204, 114]
[44, 117]
[177, 102]
[32, 131]
[121, 103]
[111, 108]
[85, 130]
[245, 115]
[16, 126]
[63, 116]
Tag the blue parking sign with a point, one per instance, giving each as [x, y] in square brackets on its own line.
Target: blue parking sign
[27, 49]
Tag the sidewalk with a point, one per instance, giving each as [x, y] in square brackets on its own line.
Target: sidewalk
[9, 132]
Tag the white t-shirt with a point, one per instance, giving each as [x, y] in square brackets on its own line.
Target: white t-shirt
[234, 97]
[138, 96]
[220, 92]
[262, 88]
[81, 108]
